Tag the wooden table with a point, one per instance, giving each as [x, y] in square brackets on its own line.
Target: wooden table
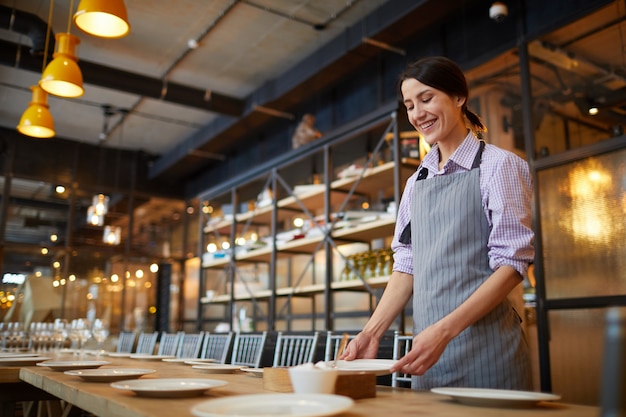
[102, 400]
[14, 390]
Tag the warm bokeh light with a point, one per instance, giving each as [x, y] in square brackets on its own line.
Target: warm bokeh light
[154, 268]
[115, 278]
[72, 278]
[225, 245]
[139, 273]
[54, 237]
[44, 251]
[60, 189]
[56, 264]
[298, 222]
[589, 216]
[211, 248]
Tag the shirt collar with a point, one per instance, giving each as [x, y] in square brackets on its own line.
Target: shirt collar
[463, 156]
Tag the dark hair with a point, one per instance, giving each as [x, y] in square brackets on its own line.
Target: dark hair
[445, 75]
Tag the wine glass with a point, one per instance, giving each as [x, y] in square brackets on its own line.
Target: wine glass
[100, 331]
[60, 332]
[83, 333]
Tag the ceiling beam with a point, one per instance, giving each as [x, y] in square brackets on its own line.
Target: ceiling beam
[31, 59]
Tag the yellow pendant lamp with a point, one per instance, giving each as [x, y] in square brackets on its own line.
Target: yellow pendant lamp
[37, 120]
[62, 76]
[102, 18]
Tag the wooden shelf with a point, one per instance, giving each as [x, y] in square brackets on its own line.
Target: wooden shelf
[375, 178]
[356, 285]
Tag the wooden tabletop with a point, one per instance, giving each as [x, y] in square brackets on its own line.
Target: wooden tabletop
[103, 400]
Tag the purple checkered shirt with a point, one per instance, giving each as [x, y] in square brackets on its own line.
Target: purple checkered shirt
[506, 192]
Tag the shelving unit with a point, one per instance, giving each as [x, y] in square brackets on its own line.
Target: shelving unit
[303, 264]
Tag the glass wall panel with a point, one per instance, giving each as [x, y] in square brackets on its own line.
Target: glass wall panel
[583, 215]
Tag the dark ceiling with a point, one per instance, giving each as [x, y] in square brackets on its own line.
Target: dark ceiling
[189, 114]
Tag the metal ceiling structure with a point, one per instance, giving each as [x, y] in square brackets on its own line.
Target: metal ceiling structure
[196, 83]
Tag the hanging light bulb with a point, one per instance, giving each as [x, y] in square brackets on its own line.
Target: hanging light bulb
[37, 120]
[62, 76]
[93, 218]
[100, 204]
[102, 18]
[112, 235]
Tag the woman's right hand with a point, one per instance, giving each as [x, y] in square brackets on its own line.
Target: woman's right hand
[363, 346]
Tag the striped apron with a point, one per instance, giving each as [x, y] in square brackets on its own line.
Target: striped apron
[450, 261]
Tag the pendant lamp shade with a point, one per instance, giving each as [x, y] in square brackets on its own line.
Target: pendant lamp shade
[62, 76]
[102, 18]
[37, 120]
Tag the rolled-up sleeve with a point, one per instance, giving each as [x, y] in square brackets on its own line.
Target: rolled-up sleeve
[508, 205]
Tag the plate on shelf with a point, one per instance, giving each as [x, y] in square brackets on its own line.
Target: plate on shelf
[109, 375]
[375, 366]
[256, 372]
[263, 405]
[495, 397]
[168, 387]
[200, 361]
[147, 357]
[23, 361]
[210, 368]
[70, 365]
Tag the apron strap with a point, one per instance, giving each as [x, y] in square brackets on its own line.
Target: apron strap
[405, 237]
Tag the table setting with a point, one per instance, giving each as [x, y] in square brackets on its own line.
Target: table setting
[124, 387]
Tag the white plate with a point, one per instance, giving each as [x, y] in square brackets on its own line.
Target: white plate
[17, 355]
[120, 354]
[200, 361]
[22, 361]
[375, 366]
[496, 397]
[168, 387]
[210, 368]
[109, 375]
[146, 357]
[185, 360]
[70, 365]
[257, 372]
[272, 405]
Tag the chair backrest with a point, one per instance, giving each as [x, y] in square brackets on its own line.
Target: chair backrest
[401, 346]
[216, 346]
[333, 340]
[294, 349]
[146, 343]
[168, 344]
[248, 349]
[189, 345]
[126, 342]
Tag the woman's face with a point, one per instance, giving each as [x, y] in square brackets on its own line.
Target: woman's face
[433, 113]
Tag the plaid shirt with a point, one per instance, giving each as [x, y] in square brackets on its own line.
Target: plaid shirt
[505, 187]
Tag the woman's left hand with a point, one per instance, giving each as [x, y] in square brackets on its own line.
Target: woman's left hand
[425, 352]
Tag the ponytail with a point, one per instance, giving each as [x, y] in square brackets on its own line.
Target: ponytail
[477, 125]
